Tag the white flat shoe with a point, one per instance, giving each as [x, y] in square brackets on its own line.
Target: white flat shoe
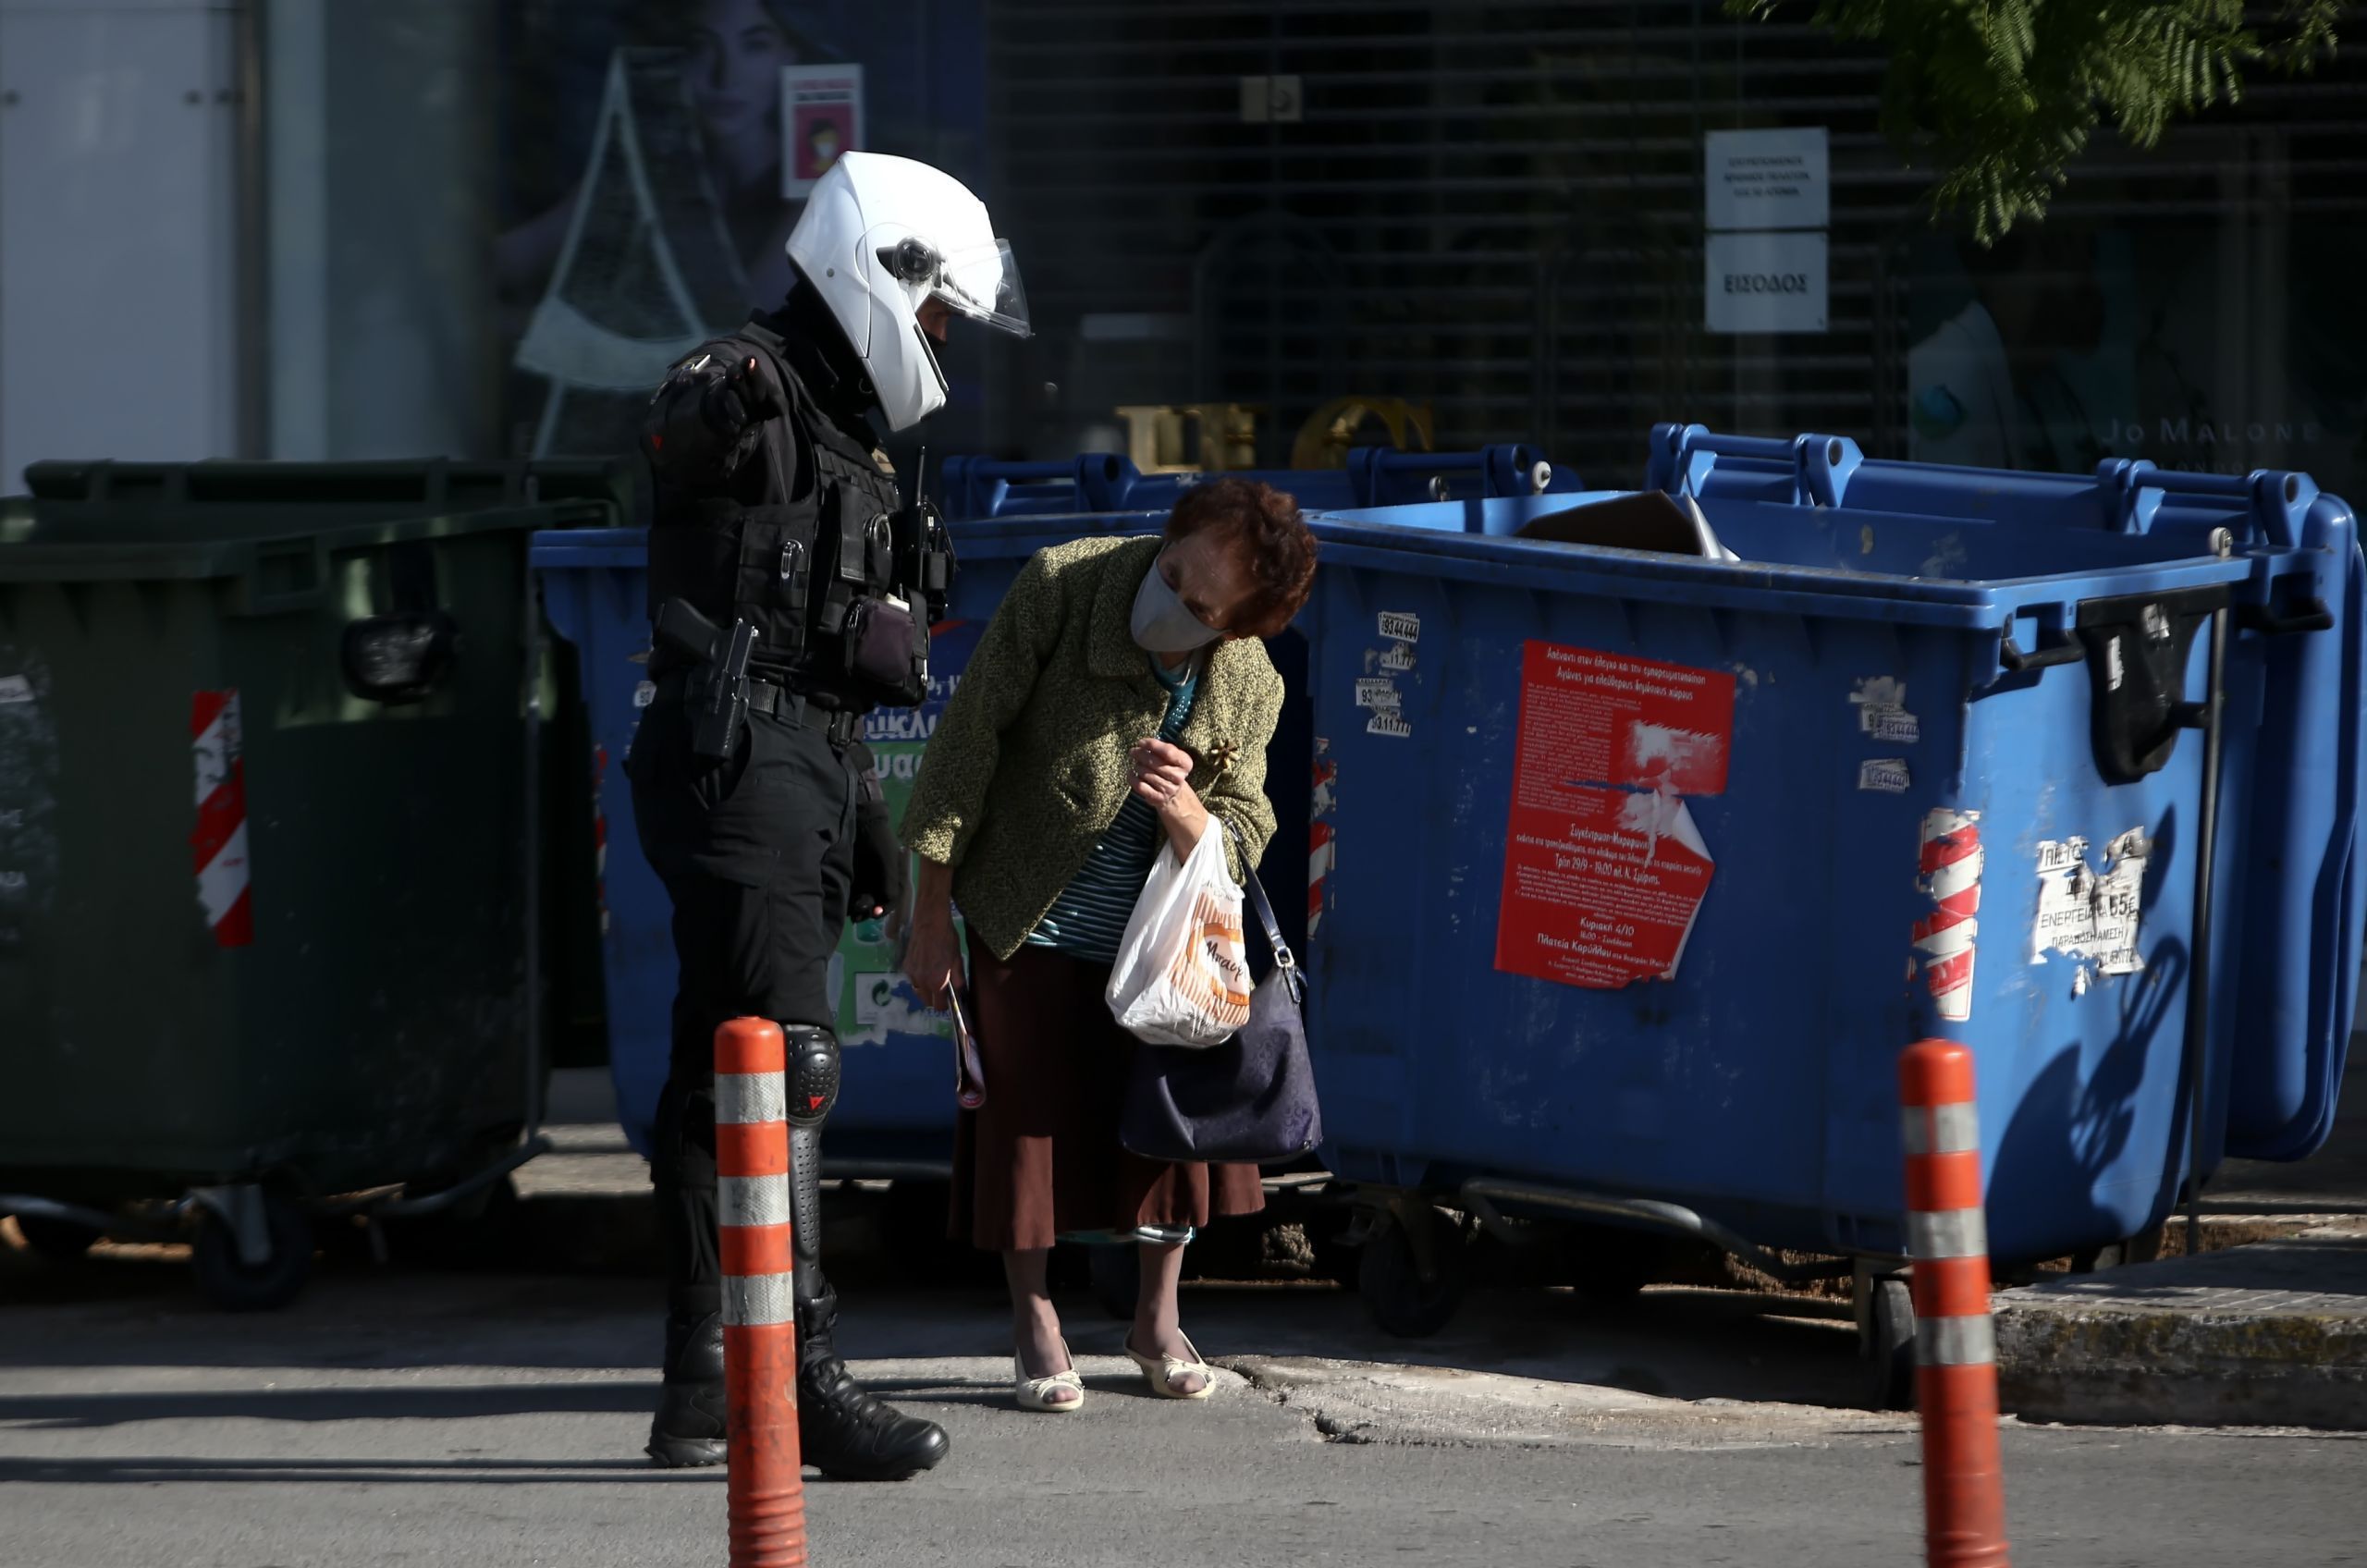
[1160, 1372]
[1035, 1393]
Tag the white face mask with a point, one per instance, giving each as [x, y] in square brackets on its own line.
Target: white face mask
[1162, 624]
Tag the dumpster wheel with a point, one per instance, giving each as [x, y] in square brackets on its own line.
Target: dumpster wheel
[1886, 1344]
[1412, 1274]
[236, 1280]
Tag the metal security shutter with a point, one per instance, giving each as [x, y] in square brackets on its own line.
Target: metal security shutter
[1493, 209]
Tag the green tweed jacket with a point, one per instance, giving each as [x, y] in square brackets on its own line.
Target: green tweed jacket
[1027, 767]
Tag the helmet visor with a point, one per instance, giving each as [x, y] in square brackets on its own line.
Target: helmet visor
[983, 284]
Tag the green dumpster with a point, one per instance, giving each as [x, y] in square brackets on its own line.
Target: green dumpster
[267, 782]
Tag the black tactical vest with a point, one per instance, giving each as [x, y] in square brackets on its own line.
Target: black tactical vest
[794, 566]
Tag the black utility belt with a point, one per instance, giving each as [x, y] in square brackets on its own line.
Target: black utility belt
[772, 699]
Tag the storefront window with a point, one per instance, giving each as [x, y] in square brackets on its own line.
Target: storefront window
[654, 153]
[2220, 345]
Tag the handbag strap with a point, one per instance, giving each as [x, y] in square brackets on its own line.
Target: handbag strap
[1283, 959]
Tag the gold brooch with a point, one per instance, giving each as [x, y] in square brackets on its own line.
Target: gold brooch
[1222, 755]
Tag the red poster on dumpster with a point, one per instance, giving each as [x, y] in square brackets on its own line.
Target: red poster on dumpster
[1605, 870]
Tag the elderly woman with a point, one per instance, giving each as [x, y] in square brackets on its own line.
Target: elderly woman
[1119, 704]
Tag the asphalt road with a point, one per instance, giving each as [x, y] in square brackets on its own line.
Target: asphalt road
[404, 1418]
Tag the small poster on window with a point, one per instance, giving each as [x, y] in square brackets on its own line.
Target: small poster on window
[821, 117]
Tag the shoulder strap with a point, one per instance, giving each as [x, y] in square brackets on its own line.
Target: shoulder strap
[1283, 959]
[802, 412]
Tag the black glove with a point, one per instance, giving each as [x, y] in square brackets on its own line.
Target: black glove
[742, 397]
[882, 872]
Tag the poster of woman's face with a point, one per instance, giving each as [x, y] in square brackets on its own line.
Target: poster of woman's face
[732, 150]
[737, 50]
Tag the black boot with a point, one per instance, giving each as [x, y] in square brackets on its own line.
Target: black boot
[689, 1428]
[842, 1431]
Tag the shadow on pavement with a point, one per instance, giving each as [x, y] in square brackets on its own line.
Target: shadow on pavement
[463, 1402]
[164, 1469]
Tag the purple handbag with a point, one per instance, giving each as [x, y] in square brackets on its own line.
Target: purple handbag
[1250, 1100]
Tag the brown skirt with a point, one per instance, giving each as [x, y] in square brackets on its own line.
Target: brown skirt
[1041, 1158]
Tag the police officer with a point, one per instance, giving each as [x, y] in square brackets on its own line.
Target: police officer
[791, 591]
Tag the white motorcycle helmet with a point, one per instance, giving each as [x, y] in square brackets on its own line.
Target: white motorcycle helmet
[880, 237]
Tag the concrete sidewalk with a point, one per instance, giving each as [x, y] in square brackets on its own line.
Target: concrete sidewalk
[2273, 1333]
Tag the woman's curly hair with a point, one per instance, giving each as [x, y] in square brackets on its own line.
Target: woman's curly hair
[1266, 533]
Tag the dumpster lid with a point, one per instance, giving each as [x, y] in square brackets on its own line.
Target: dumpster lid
[430, 484]
[184, 521]
[1970, 574]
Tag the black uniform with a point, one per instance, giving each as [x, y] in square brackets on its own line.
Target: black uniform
[771, 511]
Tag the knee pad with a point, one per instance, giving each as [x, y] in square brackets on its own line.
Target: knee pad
[813, 1077]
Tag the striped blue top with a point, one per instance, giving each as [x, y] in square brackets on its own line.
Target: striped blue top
[1088, 919]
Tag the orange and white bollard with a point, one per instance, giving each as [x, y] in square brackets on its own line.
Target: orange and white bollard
[1955, 1344]
[766, 1478]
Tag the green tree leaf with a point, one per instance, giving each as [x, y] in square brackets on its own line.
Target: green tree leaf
[1999, 97]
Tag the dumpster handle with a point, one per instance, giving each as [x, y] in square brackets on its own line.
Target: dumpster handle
[1481, 1193]
[436, 1202]
[2311, 615]
[381, 1202]
[2207, 715]
[2044, 656]
[530, 913]
[283, 575]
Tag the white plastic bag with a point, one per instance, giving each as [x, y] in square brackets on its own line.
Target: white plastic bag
[1181, 976]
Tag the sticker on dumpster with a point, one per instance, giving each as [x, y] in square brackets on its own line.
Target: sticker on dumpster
[1400, 627]
[29, 853]
[600, 836]
[1326, 777]
[1390, 723]
[1948, 866]
[219, 841]
[1398, 660]
[2087, 915]
[1597, 719]
[1600, 887]
[1881, 711]
[875, 1006]
[885, 1006]
[1886, 776]
[1378, 693]
[1605, 870]
[1892, 727]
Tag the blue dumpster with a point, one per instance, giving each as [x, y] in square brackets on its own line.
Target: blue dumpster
[977, 488]
[895, 1108]
[895, 1113]
[1641, 868]
[2297, 996]
[592, 586]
